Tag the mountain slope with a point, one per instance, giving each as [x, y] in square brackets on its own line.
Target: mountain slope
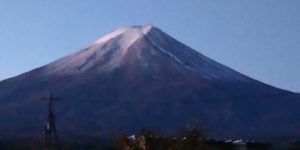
[140, 77]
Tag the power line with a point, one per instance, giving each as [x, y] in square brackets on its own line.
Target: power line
[50, 127]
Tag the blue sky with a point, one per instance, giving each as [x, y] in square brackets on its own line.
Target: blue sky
[259, 38]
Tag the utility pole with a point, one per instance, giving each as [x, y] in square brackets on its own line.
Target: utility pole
[50, 127]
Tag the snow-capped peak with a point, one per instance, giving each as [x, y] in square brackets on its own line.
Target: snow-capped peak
[144, 46]
[129, 33]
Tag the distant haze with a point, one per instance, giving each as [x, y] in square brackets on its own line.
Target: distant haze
[258, 38]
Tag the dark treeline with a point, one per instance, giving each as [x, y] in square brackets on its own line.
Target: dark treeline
[144, 140]
[188, 140]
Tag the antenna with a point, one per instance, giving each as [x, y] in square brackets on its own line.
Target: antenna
[50, 127]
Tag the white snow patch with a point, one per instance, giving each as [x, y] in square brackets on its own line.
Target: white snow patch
[140, 30]
[83, 60]
[110, 36]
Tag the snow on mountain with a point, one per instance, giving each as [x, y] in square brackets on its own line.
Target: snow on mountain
[112, 51]
[117, 41]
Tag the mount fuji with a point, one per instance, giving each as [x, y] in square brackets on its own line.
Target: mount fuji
[139, 77]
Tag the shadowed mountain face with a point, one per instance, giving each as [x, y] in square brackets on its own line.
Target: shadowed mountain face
[139, 77]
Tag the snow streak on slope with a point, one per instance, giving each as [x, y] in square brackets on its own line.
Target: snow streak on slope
[169, 54]
[191, 59]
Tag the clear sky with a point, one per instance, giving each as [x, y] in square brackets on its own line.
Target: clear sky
[259, 38]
